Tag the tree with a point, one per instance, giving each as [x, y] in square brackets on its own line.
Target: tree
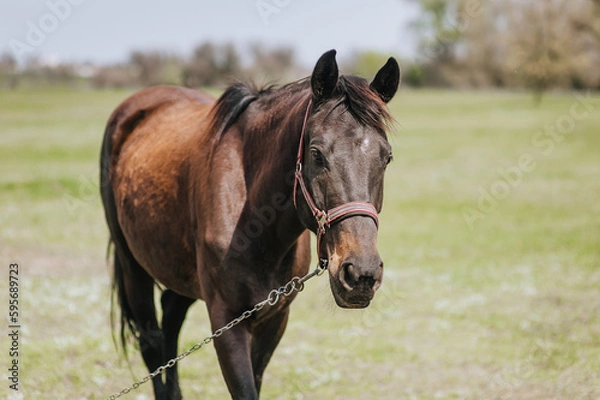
[588, 19]
[518, 43]
[228, 64]
[8, 71]
[201, 69]
[439, 29]
[150, 66]
[212, 64]
[120, 76]
[272, 64]
[586, 23]
[483, 48]
[541, 48]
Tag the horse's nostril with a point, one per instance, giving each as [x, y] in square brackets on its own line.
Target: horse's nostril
[351, 277]
[366, 281]
[352, 274]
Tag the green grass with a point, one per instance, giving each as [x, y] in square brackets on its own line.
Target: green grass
[505, 306]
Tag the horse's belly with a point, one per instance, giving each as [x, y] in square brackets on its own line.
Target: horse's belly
[155, 237]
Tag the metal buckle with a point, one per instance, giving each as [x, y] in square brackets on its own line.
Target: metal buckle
[322, 220]
[322, 266]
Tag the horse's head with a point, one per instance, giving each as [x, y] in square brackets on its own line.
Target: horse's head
[343, 163]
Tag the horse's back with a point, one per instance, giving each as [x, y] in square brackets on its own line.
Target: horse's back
[155, 132]
[151, 102]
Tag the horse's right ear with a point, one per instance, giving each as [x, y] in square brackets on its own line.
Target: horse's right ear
[324, 77]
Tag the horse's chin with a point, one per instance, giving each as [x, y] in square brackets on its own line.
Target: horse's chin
[344, 304]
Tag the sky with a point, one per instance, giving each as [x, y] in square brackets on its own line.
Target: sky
[105, 31]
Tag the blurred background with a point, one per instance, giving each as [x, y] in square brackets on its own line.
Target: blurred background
[490, 229]
[538, 45]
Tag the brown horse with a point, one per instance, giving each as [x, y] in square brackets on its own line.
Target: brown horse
[215, 201]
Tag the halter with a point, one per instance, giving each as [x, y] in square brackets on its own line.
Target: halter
[325, 218]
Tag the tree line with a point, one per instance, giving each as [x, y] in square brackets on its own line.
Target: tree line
[210, 64]
[532, 44]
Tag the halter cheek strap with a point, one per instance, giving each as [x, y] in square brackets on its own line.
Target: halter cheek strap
[325, 218]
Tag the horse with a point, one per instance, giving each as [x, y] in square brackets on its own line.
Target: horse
[215, 200]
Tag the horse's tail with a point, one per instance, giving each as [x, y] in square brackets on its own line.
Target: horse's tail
[122, 255]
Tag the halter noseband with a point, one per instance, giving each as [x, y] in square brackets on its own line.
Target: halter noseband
[325, 218]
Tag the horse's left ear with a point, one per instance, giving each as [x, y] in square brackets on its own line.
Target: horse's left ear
[386, 80]
[324, 77]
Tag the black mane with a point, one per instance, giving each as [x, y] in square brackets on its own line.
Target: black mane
[351, 92]
[232, 103]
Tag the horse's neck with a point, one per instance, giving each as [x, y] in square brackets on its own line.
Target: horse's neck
[271, 172]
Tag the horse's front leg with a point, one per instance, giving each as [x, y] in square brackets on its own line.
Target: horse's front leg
[266, 338]
[234, 353]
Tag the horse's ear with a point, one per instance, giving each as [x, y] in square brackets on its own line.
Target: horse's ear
[324, 77]
[386, 80]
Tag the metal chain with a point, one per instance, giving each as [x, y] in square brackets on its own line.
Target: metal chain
[296, 284]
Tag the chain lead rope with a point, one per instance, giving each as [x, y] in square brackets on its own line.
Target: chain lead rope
[296, 284]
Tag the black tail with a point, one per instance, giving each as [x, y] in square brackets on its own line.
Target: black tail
[122, 253]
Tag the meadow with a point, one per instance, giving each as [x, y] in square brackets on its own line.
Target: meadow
[490, 235]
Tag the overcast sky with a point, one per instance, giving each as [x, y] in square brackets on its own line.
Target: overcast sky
[106, 30]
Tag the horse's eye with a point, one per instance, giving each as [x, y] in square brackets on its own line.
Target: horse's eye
[317, 157]
[389, 160]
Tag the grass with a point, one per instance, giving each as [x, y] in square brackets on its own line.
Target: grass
[503, 305]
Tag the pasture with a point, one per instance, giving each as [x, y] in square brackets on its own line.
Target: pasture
[490, 236]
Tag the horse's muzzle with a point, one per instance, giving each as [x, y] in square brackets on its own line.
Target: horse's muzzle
[356, 281]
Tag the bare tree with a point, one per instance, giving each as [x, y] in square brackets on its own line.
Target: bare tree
[212, 64]
[8, 71]
[586, 24]
[588, 19]
[272, 64]
[540, 44]
[201, 70]
[482, 50]
[228, 61]
[111, 76]
[149, 66]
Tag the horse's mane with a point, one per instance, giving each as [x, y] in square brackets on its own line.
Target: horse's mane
[232, 103]
[351, 92]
